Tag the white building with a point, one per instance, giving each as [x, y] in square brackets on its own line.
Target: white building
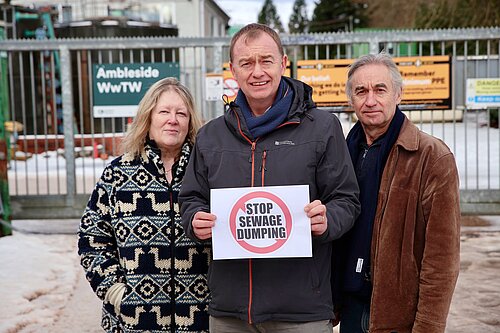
[193, 18]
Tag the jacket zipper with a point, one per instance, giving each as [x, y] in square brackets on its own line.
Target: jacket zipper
[250, 282]
[264, 154]
[250, 291]
[254, 143]
[250, 273]
[263, 167]
[172, 263]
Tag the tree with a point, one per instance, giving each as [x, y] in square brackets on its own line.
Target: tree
[299, 23]
[337, 15]
[457, 14]
[269, 16]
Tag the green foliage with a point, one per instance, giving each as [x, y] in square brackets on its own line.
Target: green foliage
[458, 14]
[269, 16]
[299, 22]
[337, 15]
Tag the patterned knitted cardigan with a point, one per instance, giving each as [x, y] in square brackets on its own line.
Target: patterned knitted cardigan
[131, 233]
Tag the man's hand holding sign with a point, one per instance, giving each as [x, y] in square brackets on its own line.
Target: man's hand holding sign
[315, 211]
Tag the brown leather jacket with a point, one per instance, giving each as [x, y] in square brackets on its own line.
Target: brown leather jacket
[416, 236]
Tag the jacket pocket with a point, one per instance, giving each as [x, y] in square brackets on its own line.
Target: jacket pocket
[229, 285]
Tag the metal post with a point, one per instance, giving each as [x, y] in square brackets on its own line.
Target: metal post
[217, 106]
[69, 141]
[374, 46]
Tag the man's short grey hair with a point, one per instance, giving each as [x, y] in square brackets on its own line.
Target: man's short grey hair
[375, 59]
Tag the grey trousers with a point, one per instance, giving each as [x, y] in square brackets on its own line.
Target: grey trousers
[234, 325]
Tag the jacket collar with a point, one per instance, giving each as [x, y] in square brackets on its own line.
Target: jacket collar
[302, 102]
[154, 162]
[408, 137]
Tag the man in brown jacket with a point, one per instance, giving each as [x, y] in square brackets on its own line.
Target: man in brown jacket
[401, 259]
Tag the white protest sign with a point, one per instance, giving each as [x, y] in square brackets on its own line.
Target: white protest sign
[261, 222]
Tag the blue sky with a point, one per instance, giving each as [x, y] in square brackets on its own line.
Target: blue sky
[246, 11]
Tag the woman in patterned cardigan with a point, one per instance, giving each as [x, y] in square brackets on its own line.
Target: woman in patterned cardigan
[150, 276]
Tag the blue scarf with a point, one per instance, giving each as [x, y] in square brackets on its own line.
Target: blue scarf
[273, 117]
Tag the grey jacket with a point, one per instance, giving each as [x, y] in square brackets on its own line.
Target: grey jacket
[307, 149]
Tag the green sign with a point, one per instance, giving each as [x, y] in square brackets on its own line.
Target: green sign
[118, 88]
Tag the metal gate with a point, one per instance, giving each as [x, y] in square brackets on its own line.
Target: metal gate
[58, 149]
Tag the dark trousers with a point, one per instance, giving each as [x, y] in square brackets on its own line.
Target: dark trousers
[355, 315]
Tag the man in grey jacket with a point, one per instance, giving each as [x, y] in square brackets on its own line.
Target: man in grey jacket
[271, 135]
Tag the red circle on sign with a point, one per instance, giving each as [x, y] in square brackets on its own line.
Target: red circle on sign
[231, 87]
[240, 204]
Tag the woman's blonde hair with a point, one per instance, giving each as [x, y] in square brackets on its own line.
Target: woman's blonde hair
[134, 141]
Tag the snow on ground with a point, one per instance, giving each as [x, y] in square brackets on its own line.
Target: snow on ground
[476, 302]
[38, 273]
[43, 288]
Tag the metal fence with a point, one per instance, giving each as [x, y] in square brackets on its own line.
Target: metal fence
[58, 149]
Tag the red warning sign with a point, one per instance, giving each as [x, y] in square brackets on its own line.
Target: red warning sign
[231, 88]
